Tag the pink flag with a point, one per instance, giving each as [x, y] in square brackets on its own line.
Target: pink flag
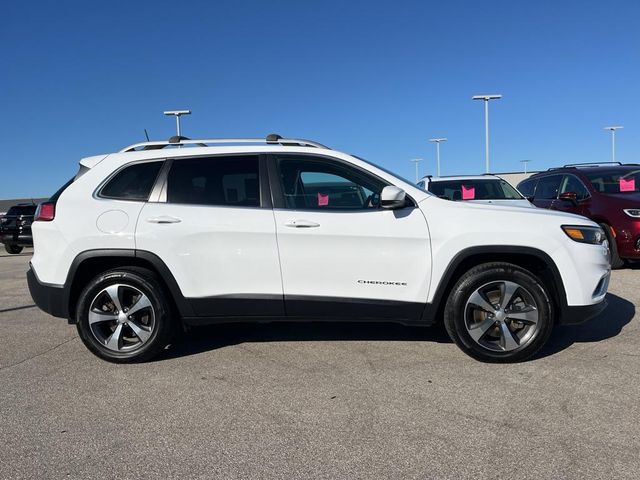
[468, 193]
[323, 200]
[627, 185]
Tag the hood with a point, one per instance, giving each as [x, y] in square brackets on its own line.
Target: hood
[512, 202]
[496, 210]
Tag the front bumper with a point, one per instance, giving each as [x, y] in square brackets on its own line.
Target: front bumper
[51, 299]
[574, 315]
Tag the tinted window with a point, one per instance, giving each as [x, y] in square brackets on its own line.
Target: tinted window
[229, 181]
[527, 188]
[309, 183]
[22, 210]
[474, 189]
[620, 180]
[133, 183]
[572, 184]
[548, 187]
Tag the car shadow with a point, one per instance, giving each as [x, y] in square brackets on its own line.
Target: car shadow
[25, 254]
[608, 324]
[203, 339]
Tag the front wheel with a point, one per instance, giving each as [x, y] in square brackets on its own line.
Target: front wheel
[123, 316]
[13, 249]
[499, 312]
[614, 259]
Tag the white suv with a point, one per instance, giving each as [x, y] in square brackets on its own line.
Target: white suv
[154, 237]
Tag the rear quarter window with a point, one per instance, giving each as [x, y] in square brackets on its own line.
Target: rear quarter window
[132, 183]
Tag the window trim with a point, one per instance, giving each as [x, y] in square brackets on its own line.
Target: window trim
[277, 194]
[97, 194]
[263, 181]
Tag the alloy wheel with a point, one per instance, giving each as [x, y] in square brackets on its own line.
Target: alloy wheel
[501, 316]
[121, 318]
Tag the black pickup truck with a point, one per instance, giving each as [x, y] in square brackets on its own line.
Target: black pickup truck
[15, 227]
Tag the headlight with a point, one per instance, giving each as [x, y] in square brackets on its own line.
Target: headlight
[632, 212]
[583, 234]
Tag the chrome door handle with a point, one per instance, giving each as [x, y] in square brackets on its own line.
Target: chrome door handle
[301, 224]
[163, 219]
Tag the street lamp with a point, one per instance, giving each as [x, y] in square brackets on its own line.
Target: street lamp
[177, 114]
[525, 165]
[486, 99]
[416, 161]
[613, 140]
[437, 142]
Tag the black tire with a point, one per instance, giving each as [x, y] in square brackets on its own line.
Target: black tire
[130, 279]
[456, 317]
[13, 249]
[614, 259]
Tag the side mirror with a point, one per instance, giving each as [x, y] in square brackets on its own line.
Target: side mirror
[530, 198]
[571, 197]
[392, 197]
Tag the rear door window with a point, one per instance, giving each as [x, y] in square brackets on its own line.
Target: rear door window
[231, 181]
[548, 187]
[527, 188]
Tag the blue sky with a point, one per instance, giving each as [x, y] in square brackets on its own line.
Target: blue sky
[372, 78]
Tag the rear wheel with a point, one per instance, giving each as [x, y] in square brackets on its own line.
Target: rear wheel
[123, 316]
[499, 312]
[614, 258]
[13, 249]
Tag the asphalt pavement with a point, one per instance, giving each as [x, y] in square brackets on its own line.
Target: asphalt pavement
[317, 401]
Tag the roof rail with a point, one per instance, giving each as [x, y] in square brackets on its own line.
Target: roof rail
[272, 139]
[591, 164]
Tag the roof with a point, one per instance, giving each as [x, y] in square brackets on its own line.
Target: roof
[591, 167]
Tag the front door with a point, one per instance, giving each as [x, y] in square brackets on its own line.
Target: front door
[341, 254]
[571, 184]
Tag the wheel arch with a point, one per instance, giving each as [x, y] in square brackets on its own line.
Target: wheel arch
[534, 260]
[90, 263]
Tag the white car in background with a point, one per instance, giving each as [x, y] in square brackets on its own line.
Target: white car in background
[488, 189]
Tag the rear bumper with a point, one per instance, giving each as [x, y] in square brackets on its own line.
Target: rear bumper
[20, 239]
[51, 299]
[574, 315]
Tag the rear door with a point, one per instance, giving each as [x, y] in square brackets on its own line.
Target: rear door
[547, 191]
[213, 227]
[341, 254]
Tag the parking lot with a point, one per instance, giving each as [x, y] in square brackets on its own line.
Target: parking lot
[317, 400]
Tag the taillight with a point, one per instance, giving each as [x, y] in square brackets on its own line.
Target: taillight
[45, 212]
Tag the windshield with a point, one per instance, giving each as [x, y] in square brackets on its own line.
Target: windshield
[619, 180]
[22, 210]
[476, 189]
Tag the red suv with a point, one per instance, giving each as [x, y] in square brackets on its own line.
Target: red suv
[608, 194]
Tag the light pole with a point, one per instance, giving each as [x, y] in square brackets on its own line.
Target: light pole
[437, 142]
[613, 140]
[525, 165]
[417, 161]
[486, 99]
[177, 114]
